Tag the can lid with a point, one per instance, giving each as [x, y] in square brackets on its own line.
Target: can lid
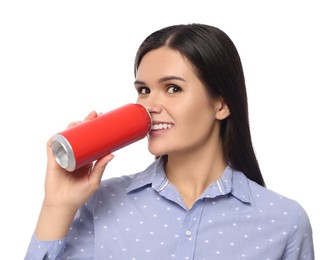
[63, 152]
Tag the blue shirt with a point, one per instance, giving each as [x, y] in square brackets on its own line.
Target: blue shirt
[143, 217]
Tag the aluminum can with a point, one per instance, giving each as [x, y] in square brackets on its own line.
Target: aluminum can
[84, 143]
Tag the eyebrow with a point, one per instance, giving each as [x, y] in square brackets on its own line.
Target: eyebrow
[161, 80]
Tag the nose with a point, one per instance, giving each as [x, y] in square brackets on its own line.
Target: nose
[153, 108]
[152, 104]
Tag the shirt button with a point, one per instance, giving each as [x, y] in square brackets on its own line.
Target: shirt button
[188, 232]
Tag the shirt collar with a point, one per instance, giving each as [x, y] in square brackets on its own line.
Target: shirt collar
[234, 182]
[231, 182]
[154, 175]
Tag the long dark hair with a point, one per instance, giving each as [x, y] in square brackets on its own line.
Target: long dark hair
[218, 65]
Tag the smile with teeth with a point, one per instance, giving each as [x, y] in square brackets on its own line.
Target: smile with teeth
[161, 126]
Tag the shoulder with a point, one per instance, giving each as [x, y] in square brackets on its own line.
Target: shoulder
[268, 203]
[123, 184]
[121, 181]
[115, 191]
[283, 219]
[118, 185]
[276, 205]
[112, 191]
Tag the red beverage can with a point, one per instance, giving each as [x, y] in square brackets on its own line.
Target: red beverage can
[84, 143]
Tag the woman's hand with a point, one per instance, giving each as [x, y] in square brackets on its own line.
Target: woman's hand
[66, 192]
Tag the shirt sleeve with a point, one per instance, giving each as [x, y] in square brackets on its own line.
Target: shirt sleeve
[300, 243]
[78, 244]
[44, 249]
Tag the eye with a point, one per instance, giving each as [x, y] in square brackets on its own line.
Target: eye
[173, 89]
[143, 90]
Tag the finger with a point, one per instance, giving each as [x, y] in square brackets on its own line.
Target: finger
[91, 115]
[74, 124]
[98, 170]
[49, 147]
[81, 172]
[51, 157]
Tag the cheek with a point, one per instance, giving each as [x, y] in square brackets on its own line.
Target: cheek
[138, 101]
[196, 107]
[197, 117]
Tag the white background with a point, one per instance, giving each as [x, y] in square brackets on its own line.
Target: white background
[61, 59]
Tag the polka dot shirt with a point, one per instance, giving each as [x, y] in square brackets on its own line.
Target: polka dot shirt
[143, 217]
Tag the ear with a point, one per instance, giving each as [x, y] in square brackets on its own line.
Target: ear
[222, 110]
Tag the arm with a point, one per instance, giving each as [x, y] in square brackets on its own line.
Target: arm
[300, 242]
[65, 193]
[79, 242]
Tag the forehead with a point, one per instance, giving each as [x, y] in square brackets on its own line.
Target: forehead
[164, 61]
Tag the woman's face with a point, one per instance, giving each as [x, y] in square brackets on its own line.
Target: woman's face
[183, 115]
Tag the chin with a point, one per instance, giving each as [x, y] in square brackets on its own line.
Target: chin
[157, 151]
[156, 154]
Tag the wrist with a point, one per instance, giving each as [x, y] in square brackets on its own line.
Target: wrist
[53, 222]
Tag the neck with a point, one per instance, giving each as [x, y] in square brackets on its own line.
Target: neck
[192, 172]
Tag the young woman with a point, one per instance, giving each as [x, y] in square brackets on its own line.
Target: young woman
[203, 197]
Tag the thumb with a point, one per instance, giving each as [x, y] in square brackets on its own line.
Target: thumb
[98, 170]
